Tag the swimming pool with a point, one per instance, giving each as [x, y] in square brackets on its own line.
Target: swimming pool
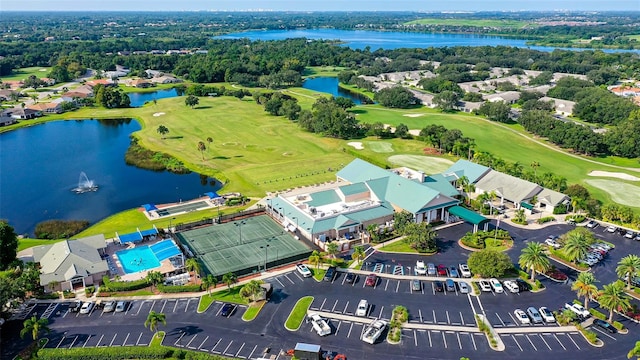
[137, 259]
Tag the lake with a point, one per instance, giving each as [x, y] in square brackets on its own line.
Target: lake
[360, 39]
[139, 98]
[329, 85]
[40, 165]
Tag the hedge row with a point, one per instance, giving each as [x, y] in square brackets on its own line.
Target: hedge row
[178, 289]
[124, 285]
[126, 352]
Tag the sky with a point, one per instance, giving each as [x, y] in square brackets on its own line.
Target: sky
[324, 5]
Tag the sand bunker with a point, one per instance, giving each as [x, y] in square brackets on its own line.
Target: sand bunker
[413, 115]
[158, 114]
[617, 175]
[43, 70]
[356, 144]
[414, 132]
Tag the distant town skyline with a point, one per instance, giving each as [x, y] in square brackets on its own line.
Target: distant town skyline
[326, 5]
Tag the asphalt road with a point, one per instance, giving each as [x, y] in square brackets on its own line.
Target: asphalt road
[230, 336]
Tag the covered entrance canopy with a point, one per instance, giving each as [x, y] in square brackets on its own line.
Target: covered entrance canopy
[469, 216]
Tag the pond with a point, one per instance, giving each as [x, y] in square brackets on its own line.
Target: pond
[41, 165]
[329, 85]
[139, 98]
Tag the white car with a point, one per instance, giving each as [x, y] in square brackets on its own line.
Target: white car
[553, 242]
[496, 285]
[373, 331]
[511, 285]
[522, 317]
[363, 308]
[484, 286]
[303, 270]
[420, 268]
[464, 270]
[547, 315]
[577, 309]
[611, 229]
[630, 234]
[319, 324]
[86, 307]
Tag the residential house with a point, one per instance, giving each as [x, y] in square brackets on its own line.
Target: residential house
[48, 81]
[425, 99]
[468, 106]
[6, 94]
[509, 97]
[477, 86]
[165, 79]
[562, 107]
[7, 120]
[104, 82]
[625, 91]
[558, 76]
[140, 83]
[72, 264]
[22, 114]
[47, 108]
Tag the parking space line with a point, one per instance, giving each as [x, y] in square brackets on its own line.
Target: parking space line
[337, 328]
[461, 319]
[544, 341]
[531, 342]
[420, 313]
[411, 287]
[473, 340]
[448, 320]
[429, 334]
[252, 351]
[422, 289]
[175, 305]
[345, 308]
[291, 281]
[343, 279]
[219, 310]
[398, 286]
[415, 338]
[239, 349]
[559, 342]
[296, 274]
[175, 343]
[321, 306]
[86, 341]
[73, 342]
[163, 305]
[386, 284]
[100, 340]
[515, 323]
[499, 318]
[187, 306]
[574, 343]
[444, 339]
[434, 317]
[603, 333]
[459, 342]
[228, 346]
[433, 289]
[203, 341]
[125, 339]
[112, 340]
[60, 343]
[278, 280]
[517, 343]
[152, 305]
[355, 280]
[139, 337]
[380, 316]
[350, 328]
[190, 341]
[334, 306]
[216, 345]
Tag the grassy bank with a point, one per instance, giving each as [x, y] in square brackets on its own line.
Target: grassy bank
[298, 313]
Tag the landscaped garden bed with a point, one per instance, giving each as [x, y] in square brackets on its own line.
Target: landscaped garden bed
[488, 240]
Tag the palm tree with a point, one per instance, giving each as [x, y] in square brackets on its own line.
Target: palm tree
[229, 279]
[153, 319]
[576, 244]
[471, 144]
[628, 266]
[614, 298]
[534, 258]
[535, 165]
[210, 141]
[314, 258]
[250, 290]
[332, 249]
[154, 277]
[585, 287]
[635, 351]
[202, 147]
[210, 281]
[162, 130]
[358, 254]
[372, 229]
[192, 264]
[34, 326]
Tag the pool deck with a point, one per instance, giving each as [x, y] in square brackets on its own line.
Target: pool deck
[113, 247]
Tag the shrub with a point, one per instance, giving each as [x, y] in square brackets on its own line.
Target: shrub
[89, 290]
[618, 325]
[545, 219]
[178, 289]
[124, 285]
[590, 335]
[597, 314]
[577, 218]
[68, 294]
[556, 274]
[127, 352]
[559, 210]
[59, 229]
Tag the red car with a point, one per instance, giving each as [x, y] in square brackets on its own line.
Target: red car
[371, 280]
[442, 270]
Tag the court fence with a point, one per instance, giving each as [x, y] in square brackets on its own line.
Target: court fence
[219, 220]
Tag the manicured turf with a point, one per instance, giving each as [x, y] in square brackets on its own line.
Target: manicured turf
[226, 295]
[428, 164]
[379, 146]
[23, 73]
[315, 71]
[298, 313]
[471, 22]
[620, 191]
[318, 274]
[252, 311]
[398, 246]
[27, 243]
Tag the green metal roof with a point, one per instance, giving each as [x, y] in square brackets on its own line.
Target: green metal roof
[439, 183]
[467, 215]
[324, 198]
[352, 189]
[469, 169]
[360, 171]
[526, 205]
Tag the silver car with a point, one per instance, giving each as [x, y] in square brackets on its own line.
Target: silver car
[534, 315]
[464, 287]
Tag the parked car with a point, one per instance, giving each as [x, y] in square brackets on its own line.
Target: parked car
[622, 232]
[577, 309]
[75, 306]
[416, 285]
[547, 315]
[450, 284]
[611, 229]
[534, 315]
[592, 224]
[438, 286]
[363, 308]
[553, 242]
[638, 237]
[496, 285]
[371, 280]
[420, 268]
[303, 270]
[228, 309]
[605, 326]
[319, 324]
[122, 306]
[629, 234]
[511, 285]
[442, 270]
[464, 287]
[523, 285]
[330, 274]
[431, 269]
[603, 246]
[86, 307]
[485, 286]
[109, 306]
[522, 317]
[464, 270]
[453, 272]
[350, 278]
[373, 331]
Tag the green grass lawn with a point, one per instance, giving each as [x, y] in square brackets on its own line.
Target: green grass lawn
[398, 246]
[298, 313]
[226, 295]
[133, 89]
[316, 71]
[471, 22]
[252, 311]
[27, 243]
[23, 73]
[318, 274]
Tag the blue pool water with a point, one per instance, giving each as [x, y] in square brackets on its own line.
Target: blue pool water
[137, 259]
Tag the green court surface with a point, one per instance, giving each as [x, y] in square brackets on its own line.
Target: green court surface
[243, 246]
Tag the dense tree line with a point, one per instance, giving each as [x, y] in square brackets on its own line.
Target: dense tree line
[448, 140]
[329, 118]
[496, 111]
[278, 104]
[396, 97]
[111, 97]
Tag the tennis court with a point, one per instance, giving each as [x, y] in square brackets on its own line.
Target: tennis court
[244, 246]
[182, 208]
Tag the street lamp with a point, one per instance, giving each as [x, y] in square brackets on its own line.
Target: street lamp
[266, 249]
[295, 217]
[173, 218]
[239, 225]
